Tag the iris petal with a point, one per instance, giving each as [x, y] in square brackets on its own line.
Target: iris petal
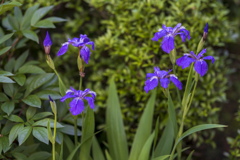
[76, 106]
[184, 61]
[150, 84]
[159, 35]
[164, 82]
[47, 41]
[201, 67]
[209, 58]
[175, 81]
[167, 44]
[201, 53]
[90, 102]
[63, 49]
[85, 54]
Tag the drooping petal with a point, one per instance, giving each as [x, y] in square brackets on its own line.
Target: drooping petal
[85, 54]
[76, 106]
[168, 44]
[159, 34]
[47, 41]
[184, 34]
[201, 67]
[68, 95]
[149, 75]
[75, 41]
[175, 29]
[201, 53]
[93, 94]
[209, 58]
[175, 81]
[150, 84]
[184, 61]
[63, 49]
[164, 82]
[92, 44]
[90, 102]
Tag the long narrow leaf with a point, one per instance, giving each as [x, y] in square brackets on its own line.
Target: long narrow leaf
[172, 114]
[116, 135]
[144, 154]
[96, 150]
[144, 128]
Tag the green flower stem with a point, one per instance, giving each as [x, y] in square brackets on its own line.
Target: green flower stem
[54, 136]
[75, 130]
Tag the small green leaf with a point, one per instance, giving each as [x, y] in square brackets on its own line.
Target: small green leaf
[32, 100]
[15, 118]
[44, 95]
[20, 61]
[39, 14]
[42, 155]
[5, 73]
[41, 115]
[28, 16]
[44, 24]
[190, 156]
[3, 97]
[4, 143]
[161, 157]
[31, 69]
[4, 79]
[14, 132]
[19, 156]
[24, 134]
[18, 14]
[44, 122]
[9, 89]
[41, 134]
[56, 19]
[30, 35]
[20, 79]
[8, 107]
[13, 22]
[50, 136]
[5, 49]
[6, 37]
[69, 129]
[30, 112]
[8, 6]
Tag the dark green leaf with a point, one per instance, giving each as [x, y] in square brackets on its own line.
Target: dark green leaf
[20, 79]
[41, 115]
[44, 24]
[5, 49]
[30, 35]
[44, 95]
[5, 37]
[30, 112]
[31, 69]
[96, 150]
[42, 155]
[56, 19]
[4, 79]
[4, 143]
[20, 61]
[28, 16]
[24, 134]
[3, 97]
[8, 107]
[5, 73]
[190, 156]
[19, 156]
[8, 6]
[13, 22]
[44, 123]
[41, 134]
[69, 129]
[18, 14]
[32, 100]
[15, 118]
[9, 89]
[39, 14]
[9, 65]
[14, 132]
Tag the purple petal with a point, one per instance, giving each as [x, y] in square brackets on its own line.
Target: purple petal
[90, 102]
[92, 44]
[167, 44]
[175, 81]
[206, 28]
[184, 61]
[184, 34]
[150, 84]
[159, 34]
[176, 27]
[75, 42]
[85, 54]
[93, 94]
[68, 95]
[164, 82]
[157, 69]
[149, 75]
[76, 106]
[63, 49]
[209, 58]
[47, 41]
[201, 67]
[201, 53]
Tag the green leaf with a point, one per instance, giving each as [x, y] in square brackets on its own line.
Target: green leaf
[172, 114]
[15, 118]
[56, 19]
[44, 24]
[4, 143]
[14, 132]
[69, 129]
[5, 49]
[41, 115]
[4, 79]
[38, 81]
[31, 69]
[19, 156]
[96, 150]
[5, 37]
[9, 89]
[30, 112]
[116, 135]
[30, 35]
[8, 107]
[72, 153]
[3, 97]
[39, 14]
[24, 134]
[5, 73]
[44, 122]
[42, 155]
[161, 157]
[20, 79]
[32, 100]
[18, 14]
[8, 6]
[199, 128]
[21, 60]
[50, 136]
[143, 130]
[144, 154]
[190, 156]
[10, 65]
[13, 22]
[28, 16]
[41, 134]
[44, 95]
[87, 134]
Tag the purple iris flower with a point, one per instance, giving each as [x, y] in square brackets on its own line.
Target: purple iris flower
[47, 43]
[200, 66]
[160, 76]
[77, 104]
[205, 33]
[168, 34]
[81, 43]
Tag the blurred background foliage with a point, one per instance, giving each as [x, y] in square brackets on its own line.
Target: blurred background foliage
[122, 31]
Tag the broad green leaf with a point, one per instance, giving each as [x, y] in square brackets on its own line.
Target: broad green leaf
[59, 137]
[116, 135]
[41, 134]
[144, 154]
[69, 129]
[30, 35]
[44, 24]
[87, 132]
[24, 134]
[28, 16]
[8, 107]
[5, 73]
[56, 19]
[14, 132]
[9, 89]
[42, 155]
[32, 100]
[9, 65]
[4, 143]
[38, 81]
[44, 123]
[8, 6]
[5, 37]
[50, 136]
[4, 79]
[19, 156]
[31, 69]
[161, 157]
[18, 14]
[44, 95]
[41, 115]
[108, 155]
[21, 60]
[3, 97]
[15, 118]
[143, 130]
[13, 22]
[96, 150]
[5, 49]
[30, 112]
[39, 14]
[20, 79]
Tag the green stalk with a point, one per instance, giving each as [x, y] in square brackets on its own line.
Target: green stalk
[54, 136]
[75, 131]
